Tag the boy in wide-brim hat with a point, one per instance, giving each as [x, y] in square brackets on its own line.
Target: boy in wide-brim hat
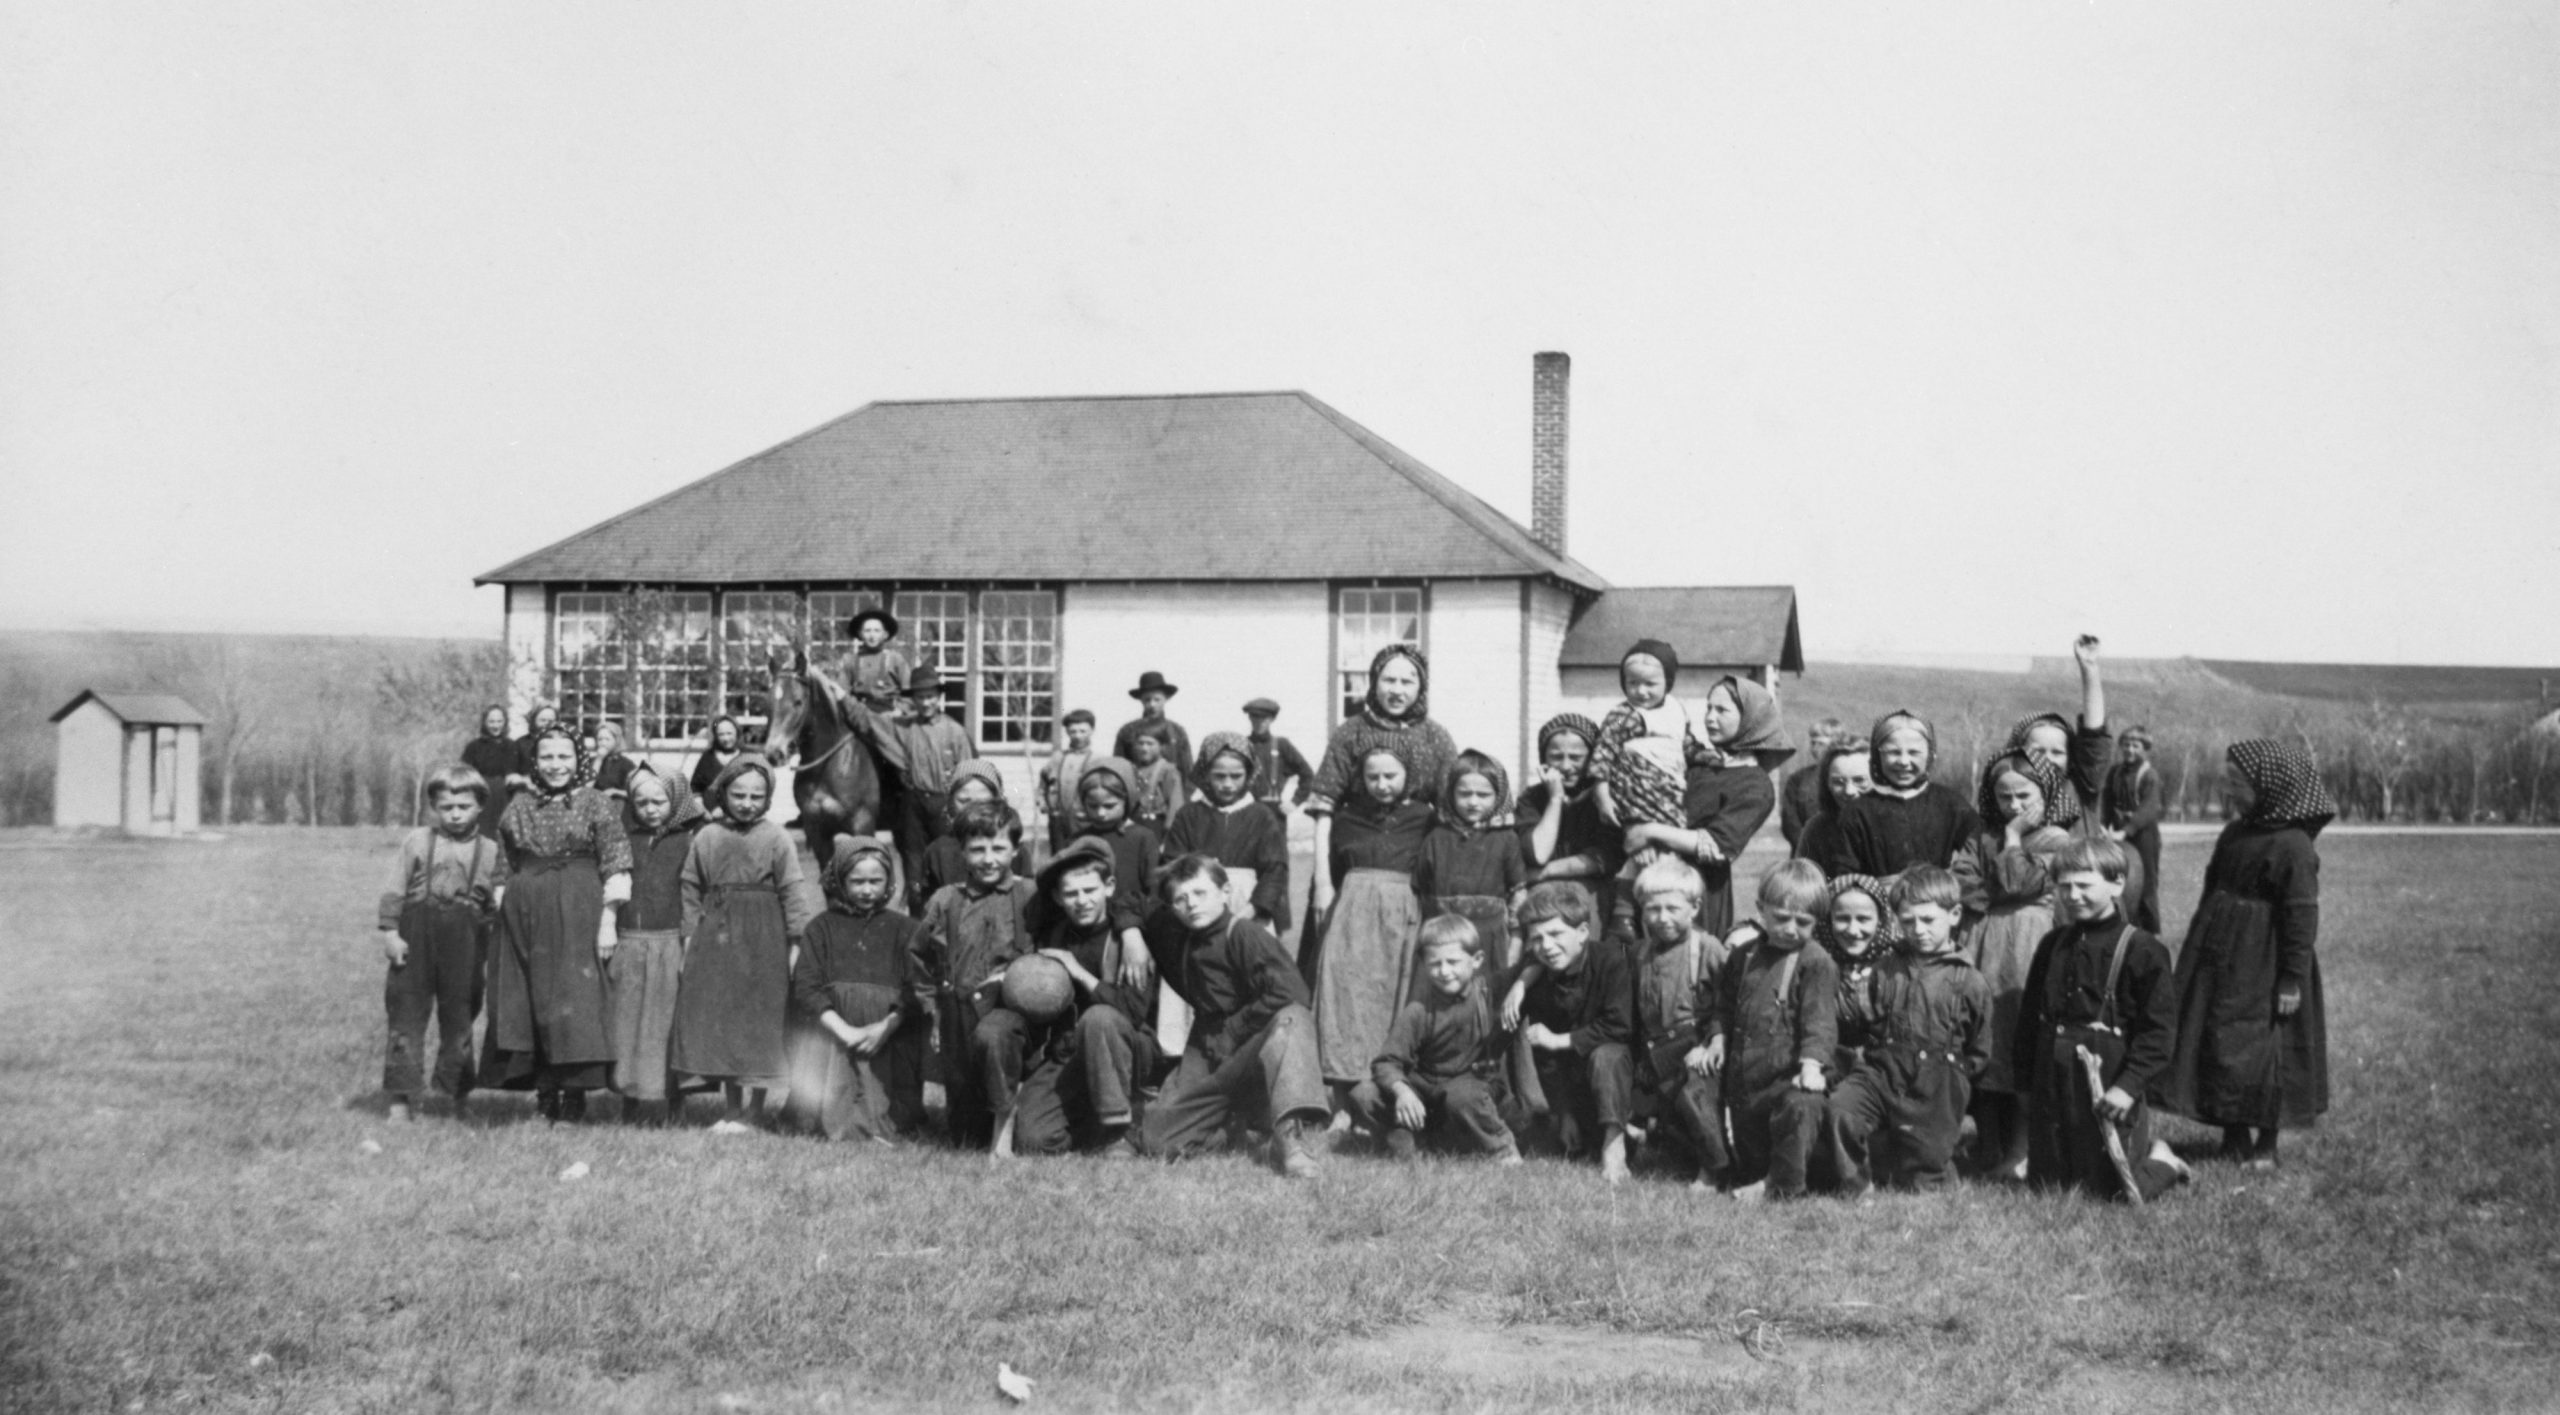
[875, 669]
[1152, 693]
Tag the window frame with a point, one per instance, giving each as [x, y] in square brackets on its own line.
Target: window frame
[1351, 682]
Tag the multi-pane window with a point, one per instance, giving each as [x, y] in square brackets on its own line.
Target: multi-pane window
[1366, 620]
[935, 624]
[586, 656]
[759, 632]
[829, 642]
[672, 671]
[1017, 666]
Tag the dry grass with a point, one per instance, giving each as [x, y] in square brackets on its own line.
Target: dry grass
[188, 1217]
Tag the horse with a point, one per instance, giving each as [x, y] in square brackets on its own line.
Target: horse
[837, 783]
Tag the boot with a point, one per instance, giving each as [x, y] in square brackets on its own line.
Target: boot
[573, 1107]
[546, 1103]
[1401, 1144]
[1293, 1149]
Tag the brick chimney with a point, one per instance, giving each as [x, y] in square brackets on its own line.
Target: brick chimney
[1550, 374]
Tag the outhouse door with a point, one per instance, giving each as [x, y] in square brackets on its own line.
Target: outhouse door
[164, 776]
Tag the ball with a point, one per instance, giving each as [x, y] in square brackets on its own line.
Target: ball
[1039, 988]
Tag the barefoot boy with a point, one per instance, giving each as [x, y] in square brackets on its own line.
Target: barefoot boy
[1579, 1025]
[1772, 1035]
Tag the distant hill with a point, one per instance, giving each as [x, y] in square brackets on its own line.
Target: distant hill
[2407, 685]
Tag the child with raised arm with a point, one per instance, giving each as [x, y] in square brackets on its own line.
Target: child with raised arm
[2253, 1029]
[1438, 1080]
[855, 980]
[1930, 1035]
[1471, 867]
[1772, 1036]
[2006, 875]
[2080, 752]
[971, 930]
[435, 922]
[2095, 1033]
[1578, 1029]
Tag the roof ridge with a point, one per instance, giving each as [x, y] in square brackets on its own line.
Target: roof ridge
[1082, 398]
[1468, 507]
[493, 576]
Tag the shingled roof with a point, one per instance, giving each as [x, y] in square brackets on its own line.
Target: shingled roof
[1745, 624]
[1063, 489]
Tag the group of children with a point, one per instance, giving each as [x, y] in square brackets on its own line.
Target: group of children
[1564, 977]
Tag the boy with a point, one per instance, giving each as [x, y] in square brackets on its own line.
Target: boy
[855, 978]
[976, 782]
[1931, 1037]
[1276, 760]
[1771, 1035]
[1252, 1049]
[1058, 778]
[971, 930]
[1579, 1026]
[1105, 791]
[1160, 790]
[1676, 966]
[925, 748]
[434, 925]
[1800, 799]
[2099, 998]
[2133, 812]
[874, 669]
[1152, 694]
[1083, 1082]
[1439, 1076]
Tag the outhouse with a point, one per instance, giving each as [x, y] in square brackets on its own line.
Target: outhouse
[127, 760]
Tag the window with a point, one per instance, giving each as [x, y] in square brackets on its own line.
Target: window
[643, 659]
[759, 631]
[1366, 620]
[1018, 666]
[935, 624]
[586, 656]
[828, 611]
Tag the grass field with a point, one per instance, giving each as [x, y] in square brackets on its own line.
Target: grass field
[190, 1216]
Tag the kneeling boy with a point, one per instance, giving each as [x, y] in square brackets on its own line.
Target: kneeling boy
[1084, 1072]
[1578, 1026]
[1932, 1036]
[1772, 1035]
[1439, 1076]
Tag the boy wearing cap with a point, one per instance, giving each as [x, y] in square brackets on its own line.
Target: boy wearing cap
[2133, 812]
[1058, 778]
[1277, 762]
[1081, 1077]
[1152, 694]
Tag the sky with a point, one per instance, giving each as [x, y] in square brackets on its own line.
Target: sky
[2226, 330]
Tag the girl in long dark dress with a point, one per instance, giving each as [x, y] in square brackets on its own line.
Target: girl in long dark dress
[743, 914]
[493, 754]
[1907, 819]
[723, 749]
[2253, 1032]
[568, 861]
[1472, 867]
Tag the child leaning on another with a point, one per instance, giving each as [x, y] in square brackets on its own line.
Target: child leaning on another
[1931, 1035]
[435, 921]
[1439, 1078]
[1772, 1036]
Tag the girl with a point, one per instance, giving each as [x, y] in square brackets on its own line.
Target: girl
[1396, 716]
[493, 755]
[1729, 796]
[1642, 760]
[862, 1061]
[1471, 868]
[1563, 834]
[743, 914]
[2006, 872]
[716, 757]
[1856, 928]
[2253, 1034]
[659, 816]
[1908, 819]
[1253, 845]
[613, 769]
[2081, 755]
[1844, 775]
[568, 864]
[1364, 962]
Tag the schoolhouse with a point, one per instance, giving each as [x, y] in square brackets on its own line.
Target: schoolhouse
[1045, 552]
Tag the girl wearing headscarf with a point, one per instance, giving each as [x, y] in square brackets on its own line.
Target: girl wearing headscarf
[860, 1060]
[1729, 795]
[1844, 774]
[2008, 877]
[1907, 819]
[723, 749]
[976, 781]
[2252, 1050]
[568, 866]
[1563, 834]
[1396, 716]
[743, 914]
[1358, 955]
[1472, 867]
[2083, 753]
[659, 816]
[1253, 845]
[492, 753]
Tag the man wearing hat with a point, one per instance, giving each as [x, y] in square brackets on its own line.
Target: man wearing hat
[924, 746]
[1059, 778]
[874, 669]
[1152, 694]
[1276, 760]
[2132, 814]
[1080, 1081]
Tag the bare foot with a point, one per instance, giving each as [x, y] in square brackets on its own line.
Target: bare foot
[1753, 1192]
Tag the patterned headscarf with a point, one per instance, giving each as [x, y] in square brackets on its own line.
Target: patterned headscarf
[850, 851]
[2026, 727]
[2287, 783]
[1422, 694]
[1224, 744]
[1572, 722]
[1659, 652]
[746, 762]
[1761, 735]
[1474, 763]
[582, 775]
[1116, 772]
[2061, 803]
[683, 807]
[1868, 885]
